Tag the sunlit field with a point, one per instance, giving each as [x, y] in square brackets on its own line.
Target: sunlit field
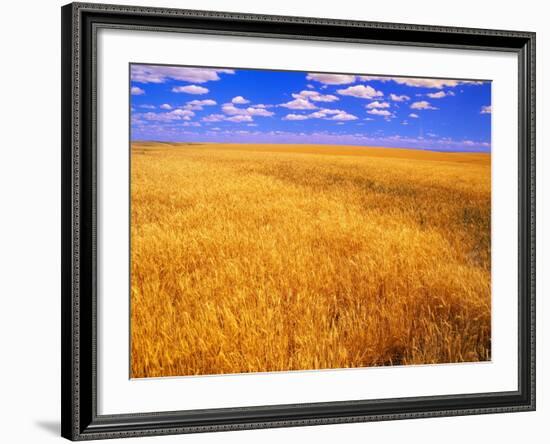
[262, 258]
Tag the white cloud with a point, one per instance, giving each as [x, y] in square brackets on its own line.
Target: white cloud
[344, 116]
[213, 118]
[331, 79]
[198, 105]
[361, 91]
[414, 116]
[377, 104]
[147, 106]
[378, 78]
[325, 113]
[401, 98]
[433, 83]
[161, 74]
[232, 110]
[166, 106]
[177, 114]
[239, 100]
[229, 108]
[190, 89]
[422, 105]
[315, 96]
[234, 114]
[239, 118]
[422, 83]
[380, 112]
[318, 115]
[426, 83]
[136, 91]
[437, 95]
[296, 117]
[205, 102]
[487, 109]
[255, 111]
[324, 98]
[183, 113]
[299, 103]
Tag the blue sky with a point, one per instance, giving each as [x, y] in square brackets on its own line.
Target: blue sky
[195, 104]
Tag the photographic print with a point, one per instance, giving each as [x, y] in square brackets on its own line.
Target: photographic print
[287, 220]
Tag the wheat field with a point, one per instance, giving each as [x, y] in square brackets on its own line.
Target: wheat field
[261, 258]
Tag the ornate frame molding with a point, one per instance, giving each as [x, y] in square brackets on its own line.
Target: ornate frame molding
[80, 420]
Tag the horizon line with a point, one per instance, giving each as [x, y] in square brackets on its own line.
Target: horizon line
[472, 151]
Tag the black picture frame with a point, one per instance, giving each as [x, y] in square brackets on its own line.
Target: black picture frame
[80, 420]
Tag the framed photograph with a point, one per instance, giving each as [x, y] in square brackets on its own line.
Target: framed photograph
[281, 221]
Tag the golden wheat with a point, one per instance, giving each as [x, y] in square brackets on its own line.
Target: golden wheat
[254, 258]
